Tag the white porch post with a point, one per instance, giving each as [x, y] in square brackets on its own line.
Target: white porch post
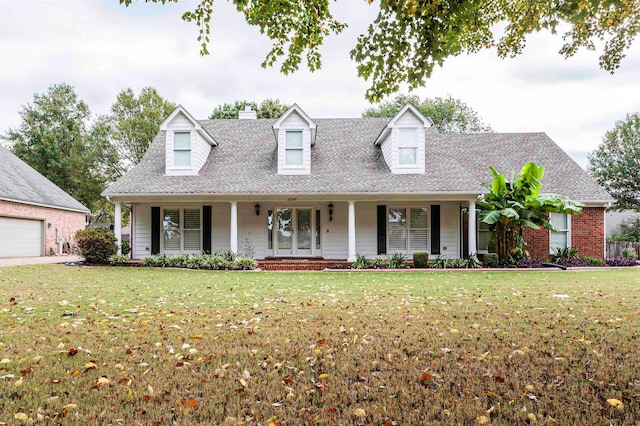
[352, 231]
[117, 225]
[233, 235]
[473, 248]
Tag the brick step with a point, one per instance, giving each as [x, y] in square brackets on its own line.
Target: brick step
[301, 265]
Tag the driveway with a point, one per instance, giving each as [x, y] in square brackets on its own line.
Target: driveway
[18, 261]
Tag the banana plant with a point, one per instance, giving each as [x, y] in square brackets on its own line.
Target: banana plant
[515, 204]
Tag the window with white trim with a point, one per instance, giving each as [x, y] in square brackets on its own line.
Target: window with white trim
[293, 149]
[182, 149]
[182, 230]
[562, 238]
[484, 236]
[407, 230]
[407, 146]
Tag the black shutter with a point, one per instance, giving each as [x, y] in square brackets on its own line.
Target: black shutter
[382, 229]
[155, 230]
[435, 229]
[206, 229]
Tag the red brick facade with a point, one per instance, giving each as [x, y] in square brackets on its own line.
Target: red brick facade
[67, 222]
[587, 235]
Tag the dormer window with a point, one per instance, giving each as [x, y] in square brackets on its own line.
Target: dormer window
[182, 149]
[293, 148]
[407, 146]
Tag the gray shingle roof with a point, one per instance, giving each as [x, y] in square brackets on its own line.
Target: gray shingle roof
[344, 160]
[20, 182]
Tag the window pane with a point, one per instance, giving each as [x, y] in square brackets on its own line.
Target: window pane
[294, 139]
[407, 155]
[182, 158]
[408, 137]
[418, 234]
[484, 236]
[192, 240]
[558, 240]
[558, 220]
[191, 218]
[182, 140]
[419, 218]
[293, 157]
[171, 229]
[397, 230]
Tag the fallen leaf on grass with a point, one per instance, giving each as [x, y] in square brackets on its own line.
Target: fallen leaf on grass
[359, 412]
[323, 376]
[616, 403]
[426, 377]
[21, 416]
[482, 420]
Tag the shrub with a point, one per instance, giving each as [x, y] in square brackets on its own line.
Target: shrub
[379, 263]
[574, 262]
[594, 261]
[227, 255]
[471, 262]
[440, 262]
[629, 253]
[564, 253]
[529, 263]
[126, 247]
[118, 259]
[397, 261]
[245, 263]
[96, 245]
[214, 262]
[621, 262]
[491, 260]
[361, 262]
[420, 259]
[155, 261]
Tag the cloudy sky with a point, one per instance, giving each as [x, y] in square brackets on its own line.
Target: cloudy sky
[100, 48]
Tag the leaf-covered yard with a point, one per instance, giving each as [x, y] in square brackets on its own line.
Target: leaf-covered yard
[162, 347]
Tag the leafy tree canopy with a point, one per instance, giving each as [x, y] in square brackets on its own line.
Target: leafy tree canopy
[130, 126]
[409, 38]
[53, 139]
[269, 108]
[449, 115]
[616, 162]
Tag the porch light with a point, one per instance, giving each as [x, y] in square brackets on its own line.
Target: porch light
[257, 209]
[330, 212]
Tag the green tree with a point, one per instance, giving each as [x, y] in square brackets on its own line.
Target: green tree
[409, 38]
[511, 206]
[616, 161]
[449, 115]
[53, 139]
[269, 108]
[130, 126]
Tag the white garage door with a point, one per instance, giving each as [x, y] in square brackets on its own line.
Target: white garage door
[20, 237]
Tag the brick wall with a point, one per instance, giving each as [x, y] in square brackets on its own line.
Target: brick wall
[67, 222]
[587, 235]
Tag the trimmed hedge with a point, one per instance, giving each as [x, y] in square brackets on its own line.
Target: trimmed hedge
[96, 245]
[421, 259]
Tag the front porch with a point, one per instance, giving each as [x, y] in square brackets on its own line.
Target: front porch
[313, 232]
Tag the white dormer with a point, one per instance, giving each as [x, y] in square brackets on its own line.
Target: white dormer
[187, 143]
[403, 141]
[295, 133]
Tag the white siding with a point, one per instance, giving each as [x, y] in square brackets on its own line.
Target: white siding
[390, 146]
[449, 230]
[294, 122]
[180, 120]
[367, 229]
[202, 152]
[335, 244]
[221, 217]
[387, 149]
[141, 231]
[252, 229]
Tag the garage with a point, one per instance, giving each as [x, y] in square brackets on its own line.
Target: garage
[21, 237]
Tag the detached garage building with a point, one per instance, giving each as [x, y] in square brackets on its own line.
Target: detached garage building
[36, 216]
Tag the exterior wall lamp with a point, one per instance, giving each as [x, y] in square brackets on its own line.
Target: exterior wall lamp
[330, 212]
[257, 206]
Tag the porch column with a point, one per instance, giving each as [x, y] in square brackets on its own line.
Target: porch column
[352, 231]
[233, 235]
[473, 248]
[117, 225]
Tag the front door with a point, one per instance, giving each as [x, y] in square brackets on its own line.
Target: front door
[294, 231]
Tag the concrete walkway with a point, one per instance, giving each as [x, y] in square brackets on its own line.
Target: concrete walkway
[18, 261]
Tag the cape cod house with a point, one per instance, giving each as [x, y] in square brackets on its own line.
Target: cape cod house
[331, 188]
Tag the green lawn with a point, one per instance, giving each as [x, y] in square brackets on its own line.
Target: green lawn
[92, 345]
